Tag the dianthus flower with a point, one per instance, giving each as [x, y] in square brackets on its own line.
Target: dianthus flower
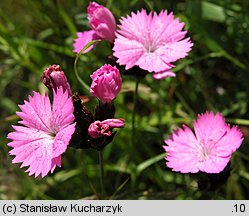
[106, 83]
[103, 26]
[151, 42]
[208, 149]
[45, 133]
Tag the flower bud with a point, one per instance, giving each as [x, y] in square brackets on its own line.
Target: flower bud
[106, 83]
[114, 123]
[101, 21]
[103, 129]
[53, 77]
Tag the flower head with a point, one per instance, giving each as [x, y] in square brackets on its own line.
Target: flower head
[103, 128]
[45, 133]
[53, 77]
[208, 149]
[151, 41]
[101, 21]
[106, 83]
[103, 27]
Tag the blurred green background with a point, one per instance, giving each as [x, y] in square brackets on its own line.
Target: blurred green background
[215, 76]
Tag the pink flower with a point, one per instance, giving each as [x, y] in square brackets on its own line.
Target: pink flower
[103, 128]
[151, 42]
[101, 21]
[208, 149]
[53, 77]
[103, 26]
[106, 83]
[83, 38]
[45, 133]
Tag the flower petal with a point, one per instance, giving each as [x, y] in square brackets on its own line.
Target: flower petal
[55, 162]
[215, 164]
[164, 74]
[62, 110]
[230, 142]
[209, 126]
[127, 51]
[32, 114]
[34, 154]
[182, 151]
[83, 38]
[61, 140]
[173, 51]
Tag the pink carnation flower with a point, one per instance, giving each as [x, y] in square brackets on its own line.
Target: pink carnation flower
[151, 42]
[208, 149]
[45, 133]
[106, 83]
[103, 26]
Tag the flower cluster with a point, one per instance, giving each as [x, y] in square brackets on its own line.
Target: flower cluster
[48, 129]
[96, 130]
[150, 42]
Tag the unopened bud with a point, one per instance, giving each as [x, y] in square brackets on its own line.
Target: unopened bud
[103, 128]
[53, 77]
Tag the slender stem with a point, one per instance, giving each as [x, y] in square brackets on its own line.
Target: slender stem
[82, 82]
[242, 155]
[101, 164]
[238, 121]
[86, 87]
[134, 115]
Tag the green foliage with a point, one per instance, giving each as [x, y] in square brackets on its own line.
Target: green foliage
[215, 76]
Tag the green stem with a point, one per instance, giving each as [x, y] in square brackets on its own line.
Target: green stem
[85, 86]
[184, 103]
[101, 164]
[242, 155]
[75, 65]
[238, 121]
[134, 115]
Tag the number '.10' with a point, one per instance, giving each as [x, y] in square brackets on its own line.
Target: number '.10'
[240, 207]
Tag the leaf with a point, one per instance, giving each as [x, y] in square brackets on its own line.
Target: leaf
[8, 104]
[150, 4]
[238, 121]
[215, 47]
[244, 174]
[64, 175]
[144, 165]
[49, 46]
[119, 188]
[68, 21]
[211, 11]
[117, 168]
